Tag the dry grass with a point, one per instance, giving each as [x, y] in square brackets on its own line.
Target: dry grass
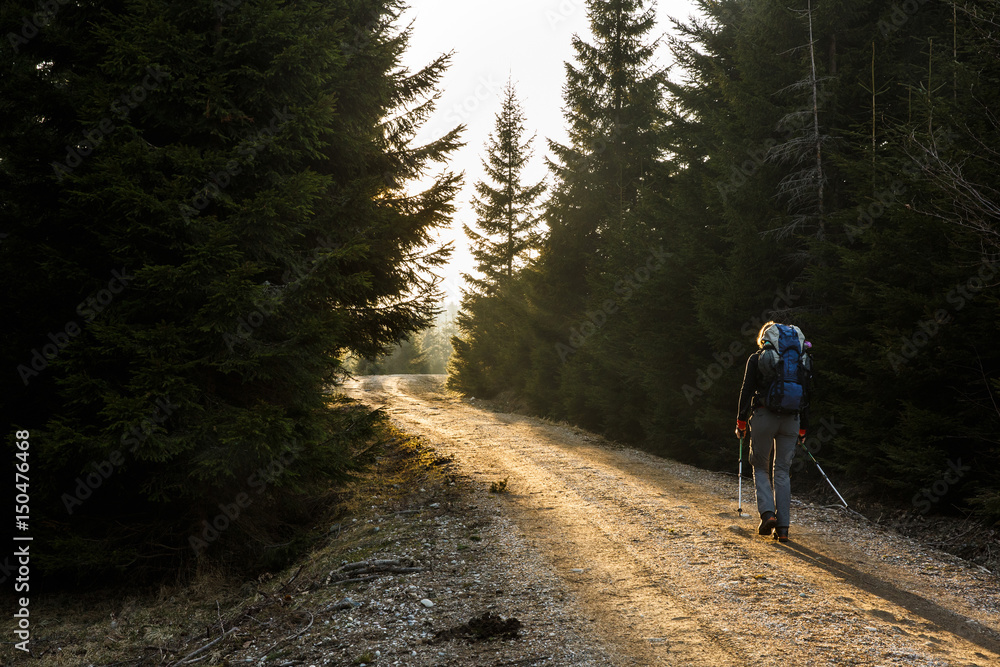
[160, 627]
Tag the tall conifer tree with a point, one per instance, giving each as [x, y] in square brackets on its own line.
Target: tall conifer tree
[506, 233]
[613, 97]
[506, 212]
[888, 256]
[613, 101]
[221, 189]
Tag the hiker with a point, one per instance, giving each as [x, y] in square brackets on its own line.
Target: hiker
[774, 403]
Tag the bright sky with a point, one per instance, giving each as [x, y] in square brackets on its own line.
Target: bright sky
[528, 41]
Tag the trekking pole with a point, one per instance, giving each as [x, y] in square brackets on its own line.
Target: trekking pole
[818, 466]
[740, 508]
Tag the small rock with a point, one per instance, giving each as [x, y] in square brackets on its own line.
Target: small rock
[427, 603]
[577, 569]
[434, 504]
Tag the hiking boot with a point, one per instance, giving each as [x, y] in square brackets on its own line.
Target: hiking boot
[767, 523]
[781, 533]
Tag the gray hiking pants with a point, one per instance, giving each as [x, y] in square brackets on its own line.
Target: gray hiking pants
[778, 433]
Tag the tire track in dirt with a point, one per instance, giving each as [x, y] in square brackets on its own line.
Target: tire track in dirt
[657, 555]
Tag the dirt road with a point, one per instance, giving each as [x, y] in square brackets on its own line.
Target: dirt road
[654, 552]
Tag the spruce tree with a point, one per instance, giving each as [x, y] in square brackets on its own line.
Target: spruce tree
[506, 215]
[911, 251]
[878, 262]
[505, 235]
[206, 207]
[613, 98]
[597, 230]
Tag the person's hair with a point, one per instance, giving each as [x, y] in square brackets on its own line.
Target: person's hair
[760, 334]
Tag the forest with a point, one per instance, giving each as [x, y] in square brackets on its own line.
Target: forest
[206, 222]
[427, 351]
[205, 213]
[828, 165]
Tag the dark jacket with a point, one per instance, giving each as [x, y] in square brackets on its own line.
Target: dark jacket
[754, 386]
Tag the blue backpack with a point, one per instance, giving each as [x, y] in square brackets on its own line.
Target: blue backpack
[785, 366]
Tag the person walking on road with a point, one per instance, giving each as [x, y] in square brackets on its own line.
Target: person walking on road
[774, 405]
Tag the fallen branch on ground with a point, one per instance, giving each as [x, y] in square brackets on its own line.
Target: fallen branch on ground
[188, 658]
[353, 573]
[289, 638]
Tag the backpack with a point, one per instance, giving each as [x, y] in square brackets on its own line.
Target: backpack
[785, 366]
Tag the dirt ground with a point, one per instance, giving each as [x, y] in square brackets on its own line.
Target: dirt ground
[479, 538]
[654, 559]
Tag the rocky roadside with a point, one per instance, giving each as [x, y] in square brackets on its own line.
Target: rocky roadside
[477, 593]
[431, 560]
[420, 567]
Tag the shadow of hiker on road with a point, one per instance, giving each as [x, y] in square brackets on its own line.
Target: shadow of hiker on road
[934, 613]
